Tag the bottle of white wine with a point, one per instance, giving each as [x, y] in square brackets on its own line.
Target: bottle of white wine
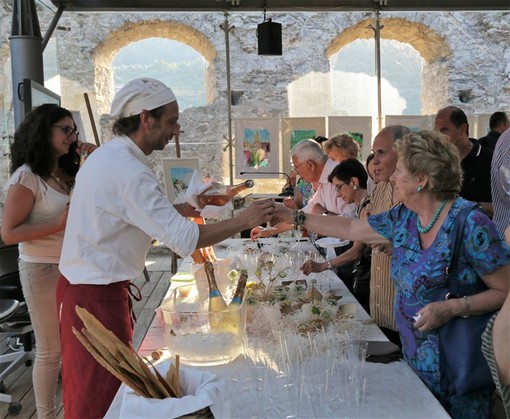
[219, 194]
[216, 302]
[241, 286]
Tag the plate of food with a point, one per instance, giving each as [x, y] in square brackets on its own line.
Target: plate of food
[326, 242]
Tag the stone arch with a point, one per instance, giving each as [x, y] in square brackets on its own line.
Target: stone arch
[432, 47]
[133, 32]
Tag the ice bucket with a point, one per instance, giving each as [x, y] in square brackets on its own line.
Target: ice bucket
[201, 337]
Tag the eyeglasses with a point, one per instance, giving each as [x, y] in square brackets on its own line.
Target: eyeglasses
[67, 130]
[296, 167]
[339, 186]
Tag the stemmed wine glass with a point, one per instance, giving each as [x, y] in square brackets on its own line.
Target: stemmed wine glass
[268, 227]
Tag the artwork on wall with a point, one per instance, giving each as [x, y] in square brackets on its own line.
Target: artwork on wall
[359, 127]
[257, 147]
[177, 174]
[296, 129]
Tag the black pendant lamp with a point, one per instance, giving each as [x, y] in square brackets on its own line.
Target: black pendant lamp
[269, 35]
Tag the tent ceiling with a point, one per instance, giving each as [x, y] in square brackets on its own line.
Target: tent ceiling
[278, 5]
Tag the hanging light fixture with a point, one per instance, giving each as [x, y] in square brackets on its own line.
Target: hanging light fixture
[269, 35]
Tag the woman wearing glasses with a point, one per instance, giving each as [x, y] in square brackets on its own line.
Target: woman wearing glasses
[45, 157]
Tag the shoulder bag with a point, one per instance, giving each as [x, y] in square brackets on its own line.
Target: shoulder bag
[361, 269]
[361, 273]
[462, 365]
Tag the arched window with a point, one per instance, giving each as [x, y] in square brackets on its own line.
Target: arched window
[354, 84]
[177, 65]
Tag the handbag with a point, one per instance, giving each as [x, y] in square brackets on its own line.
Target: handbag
[462, 364]
[361, 273]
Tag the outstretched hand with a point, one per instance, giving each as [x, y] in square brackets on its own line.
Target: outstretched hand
[259, 212]
[311, 266]
[282, 214]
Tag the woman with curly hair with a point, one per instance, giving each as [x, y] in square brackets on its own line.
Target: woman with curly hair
[45, 158]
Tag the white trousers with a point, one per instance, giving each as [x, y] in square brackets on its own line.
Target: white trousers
[39, 282]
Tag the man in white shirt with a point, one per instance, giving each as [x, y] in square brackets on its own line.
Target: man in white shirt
[312, 164]
[116, 209]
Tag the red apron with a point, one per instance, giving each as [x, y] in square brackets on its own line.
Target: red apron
[88, 388]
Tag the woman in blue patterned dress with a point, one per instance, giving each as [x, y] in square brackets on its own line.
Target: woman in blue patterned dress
[427, 181]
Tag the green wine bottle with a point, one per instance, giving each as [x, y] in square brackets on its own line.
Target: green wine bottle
[241, 286]
[217, 304]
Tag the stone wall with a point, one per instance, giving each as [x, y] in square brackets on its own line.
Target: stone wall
[467, 56]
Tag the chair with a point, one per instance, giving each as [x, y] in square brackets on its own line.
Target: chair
[14, 320]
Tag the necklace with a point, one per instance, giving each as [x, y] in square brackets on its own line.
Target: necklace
[426, 229]
[66, 186]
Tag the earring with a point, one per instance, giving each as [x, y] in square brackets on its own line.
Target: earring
[419, 188]
[355, 187]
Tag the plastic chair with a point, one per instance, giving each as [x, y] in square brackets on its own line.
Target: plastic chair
[14, 320]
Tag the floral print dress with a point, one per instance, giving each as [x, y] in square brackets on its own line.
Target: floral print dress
[419, 279]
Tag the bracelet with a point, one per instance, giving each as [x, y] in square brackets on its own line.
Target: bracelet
[467, 302]
[299, 220]
[330, 266]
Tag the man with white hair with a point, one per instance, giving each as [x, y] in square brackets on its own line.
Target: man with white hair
[311, 163]
[116, 208]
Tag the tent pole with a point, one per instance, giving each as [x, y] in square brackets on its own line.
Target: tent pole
[226, 28]
[377, 35]
[26, 53]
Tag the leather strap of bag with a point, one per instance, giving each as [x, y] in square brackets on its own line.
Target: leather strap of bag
[456, 238]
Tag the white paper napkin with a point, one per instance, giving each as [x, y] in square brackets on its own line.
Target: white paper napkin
[196, 187]
[201, 389]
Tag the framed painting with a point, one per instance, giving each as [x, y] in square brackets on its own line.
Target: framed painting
[177, 174]
[257, 147]
[296, 129]
[359, 127]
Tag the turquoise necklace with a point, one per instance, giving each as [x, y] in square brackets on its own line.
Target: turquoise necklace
[426, 229]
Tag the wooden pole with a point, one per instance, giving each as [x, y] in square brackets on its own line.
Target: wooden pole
[177, 147]
[91, 117]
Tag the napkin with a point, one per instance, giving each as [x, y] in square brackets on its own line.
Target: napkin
[383, 352]
[201, 389]
[196, 187]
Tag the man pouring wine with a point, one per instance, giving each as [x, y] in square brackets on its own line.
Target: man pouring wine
[116, 209]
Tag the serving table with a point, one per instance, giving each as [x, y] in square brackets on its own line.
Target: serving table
[323, 377]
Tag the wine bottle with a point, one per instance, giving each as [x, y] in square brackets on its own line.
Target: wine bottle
[241, 286]
[219, 194]
[217, 304]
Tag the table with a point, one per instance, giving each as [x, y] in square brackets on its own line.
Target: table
[324, 384]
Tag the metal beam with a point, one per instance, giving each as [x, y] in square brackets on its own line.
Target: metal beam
[279, 5]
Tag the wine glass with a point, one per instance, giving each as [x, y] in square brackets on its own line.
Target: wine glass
[297, 234]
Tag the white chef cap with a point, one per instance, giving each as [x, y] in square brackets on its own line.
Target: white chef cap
[138, 95]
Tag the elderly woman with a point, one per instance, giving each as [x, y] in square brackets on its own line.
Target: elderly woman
[350, 179]
[341, 147]
[426, 182]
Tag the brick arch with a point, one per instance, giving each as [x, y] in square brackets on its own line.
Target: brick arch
[432, 48]
[134, 32]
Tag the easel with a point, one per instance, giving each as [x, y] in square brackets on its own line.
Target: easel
[98, 143]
